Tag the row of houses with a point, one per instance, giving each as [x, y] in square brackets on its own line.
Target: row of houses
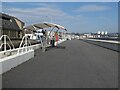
[11, 26]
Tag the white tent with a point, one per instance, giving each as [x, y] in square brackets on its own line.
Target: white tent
[35, 27]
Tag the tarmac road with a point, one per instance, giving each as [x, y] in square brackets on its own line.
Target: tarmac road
[73, 64]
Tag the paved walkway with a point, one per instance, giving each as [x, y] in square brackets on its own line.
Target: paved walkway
[74, 64]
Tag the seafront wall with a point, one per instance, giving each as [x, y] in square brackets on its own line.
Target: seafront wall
[112, 45]
[12, 61]
[12, 58]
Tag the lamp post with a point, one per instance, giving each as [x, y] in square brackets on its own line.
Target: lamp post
[50, 18]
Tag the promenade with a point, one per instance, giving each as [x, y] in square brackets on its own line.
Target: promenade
[73, 64]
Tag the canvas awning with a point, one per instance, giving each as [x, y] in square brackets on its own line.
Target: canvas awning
[35, 27]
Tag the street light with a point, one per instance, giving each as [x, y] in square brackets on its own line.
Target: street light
[49, 18]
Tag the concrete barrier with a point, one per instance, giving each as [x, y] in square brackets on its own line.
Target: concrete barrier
[9, 60]
[15, 60]
[36, 46]
[4, 54]
[112, 45]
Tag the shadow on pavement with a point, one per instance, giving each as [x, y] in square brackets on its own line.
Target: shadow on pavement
[56, 47]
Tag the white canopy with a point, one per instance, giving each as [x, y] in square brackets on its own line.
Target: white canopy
[35, 27]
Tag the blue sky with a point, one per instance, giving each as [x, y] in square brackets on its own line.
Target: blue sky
[75, 16]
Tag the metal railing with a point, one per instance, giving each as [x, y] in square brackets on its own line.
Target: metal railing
[5, 43]
[24, 45]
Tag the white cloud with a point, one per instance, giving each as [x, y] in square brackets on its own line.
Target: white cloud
[71, 22]
[42, 4]
[92, 8]
[37, 15]
[40, 9]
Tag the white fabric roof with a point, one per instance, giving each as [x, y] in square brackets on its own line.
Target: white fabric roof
[44, 25]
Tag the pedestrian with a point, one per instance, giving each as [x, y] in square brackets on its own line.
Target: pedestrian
[53, 41]
[44, 41]
[56, 38]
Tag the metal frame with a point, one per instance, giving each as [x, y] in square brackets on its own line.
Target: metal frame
[5, 37]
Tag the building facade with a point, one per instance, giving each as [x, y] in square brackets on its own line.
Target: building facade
[11, 26]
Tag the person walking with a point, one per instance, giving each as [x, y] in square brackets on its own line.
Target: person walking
[56, 38]
[44, 41]
[53, 41]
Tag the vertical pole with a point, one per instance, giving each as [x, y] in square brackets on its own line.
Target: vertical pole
[26, 42]
[50, 18]
[62, 34]
[4, 42]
